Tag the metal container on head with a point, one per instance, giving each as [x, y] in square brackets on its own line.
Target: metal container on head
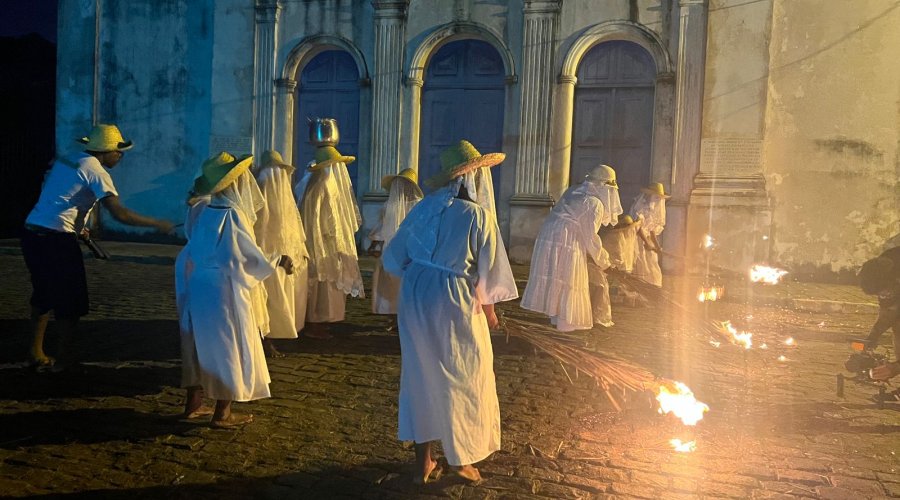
[323, 132]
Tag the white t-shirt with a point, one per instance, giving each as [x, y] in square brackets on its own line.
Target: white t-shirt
[71, 187]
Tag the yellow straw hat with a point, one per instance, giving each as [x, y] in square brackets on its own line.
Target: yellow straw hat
[273, 158]
[624, 221]
[657, 189]
[105, 138]
[219, 172]
[329, 155]
[407, 173]
[460, 159]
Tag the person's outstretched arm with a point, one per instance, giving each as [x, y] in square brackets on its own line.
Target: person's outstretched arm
[132, 218]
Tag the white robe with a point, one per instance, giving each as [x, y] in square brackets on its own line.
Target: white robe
[646, 262]
[385, 286]
[330, 221]
[446, 255]
[227, 265]
[184, 266]
[279, 231]
[558, 282]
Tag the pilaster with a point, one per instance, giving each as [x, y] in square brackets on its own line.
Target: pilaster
[390, 19]
[284, 125]
[264, 75]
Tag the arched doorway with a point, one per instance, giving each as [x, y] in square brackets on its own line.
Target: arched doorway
[328, 87]
[463, 98]
[613, 117]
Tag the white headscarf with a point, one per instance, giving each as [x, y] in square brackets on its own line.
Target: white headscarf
[243, 194]
[652, 209]
[402, 196]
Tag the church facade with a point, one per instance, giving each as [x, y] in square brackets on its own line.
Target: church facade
[773, 124]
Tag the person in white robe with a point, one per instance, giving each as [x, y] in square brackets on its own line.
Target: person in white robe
[403, 194]
[279, 230]
[559, 282]
[620, 241]
[226, 265]
[184, 266]
[601, 305]
[330, 220]
[445, 251]
[650, 209]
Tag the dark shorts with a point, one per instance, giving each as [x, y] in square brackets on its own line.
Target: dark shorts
[57, 273]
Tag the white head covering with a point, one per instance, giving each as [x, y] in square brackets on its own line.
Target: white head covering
[402, 196]
[243, 194]
[603, 178]
[652, 209]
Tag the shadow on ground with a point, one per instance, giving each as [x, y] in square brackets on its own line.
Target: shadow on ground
[86, 425]
[370, 480]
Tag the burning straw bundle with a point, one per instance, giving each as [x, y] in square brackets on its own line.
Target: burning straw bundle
[606, 369]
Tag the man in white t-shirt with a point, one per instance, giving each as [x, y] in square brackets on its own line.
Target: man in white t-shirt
[50, 240]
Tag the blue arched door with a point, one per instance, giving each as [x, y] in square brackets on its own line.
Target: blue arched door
[614, 115]
[329, 87]
[462, 99]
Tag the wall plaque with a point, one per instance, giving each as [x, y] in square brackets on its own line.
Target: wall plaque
[731, 155]
[236, 145]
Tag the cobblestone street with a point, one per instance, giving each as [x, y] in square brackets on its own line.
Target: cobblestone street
[776, 429]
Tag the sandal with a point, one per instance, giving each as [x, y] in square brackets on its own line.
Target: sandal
[233, 420]
[199, 412]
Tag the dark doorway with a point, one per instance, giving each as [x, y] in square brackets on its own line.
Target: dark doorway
[328, 88]
[463, 98]
[614, 115]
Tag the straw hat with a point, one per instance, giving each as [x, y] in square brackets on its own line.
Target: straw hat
[219, 172]
[329, 155]
[105, 138]
[602, 174]
[273, 158]
[624, 222]
[657, 189]
[407, 173]
[460, 159]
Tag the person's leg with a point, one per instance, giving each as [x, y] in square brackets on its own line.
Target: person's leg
[39, 321]
[193, 404]
[224, 417]
[425, 464]
[271, 351]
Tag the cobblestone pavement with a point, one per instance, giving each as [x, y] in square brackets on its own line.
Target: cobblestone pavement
[776, 429]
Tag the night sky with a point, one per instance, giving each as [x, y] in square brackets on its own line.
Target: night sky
[21, 17]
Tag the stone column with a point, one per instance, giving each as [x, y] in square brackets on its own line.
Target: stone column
[561, 135]
[390, 17]
[415, 119]
[531, 201]
[284, 124]
[264, 75]
[690, 72]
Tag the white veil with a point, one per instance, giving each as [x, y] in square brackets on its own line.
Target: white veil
[653, 210]
[402, 196]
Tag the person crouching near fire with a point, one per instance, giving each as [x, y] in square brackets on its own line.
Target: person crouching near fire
[558, 282]
[227, 360]
[881, 277]
[451, 279]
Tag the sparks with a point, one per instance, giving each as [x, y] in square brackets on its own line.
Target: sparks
[714, 343]
[744, 339]
[790, 341]
[764, 346]
[770, 275]
[782, 358]
[677, 398]
[711, 293]
[708, 241]
[683, 447]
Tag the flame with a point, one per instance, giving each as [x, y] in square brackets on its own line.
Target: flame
[683, 447]
[711, 293]
[708, 241]
[744, 339]
[790, 341]
[770, 275]
[681, 402]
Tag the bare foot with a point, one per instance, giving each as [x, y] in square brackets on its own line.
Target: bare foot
[200, 411]
[231, 421]
[271, 351]
[468, 473]
[431, 473]
[41, 360]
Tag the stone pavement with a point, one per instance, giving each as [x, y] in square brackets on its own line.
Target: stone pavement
[776, 429]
